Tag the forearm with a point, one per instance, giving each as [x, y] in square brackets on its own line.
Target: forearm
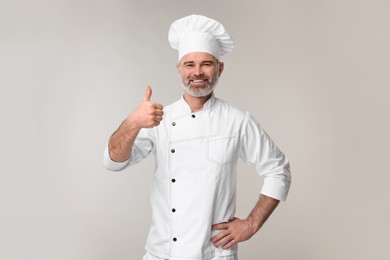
[260, 213]
[147, 115]
[122, 140]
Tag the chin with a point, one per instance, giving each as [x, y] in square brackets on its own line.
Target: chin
[198, 92]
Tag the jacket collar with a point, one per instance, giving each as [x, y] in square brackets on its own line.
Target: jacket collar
[208, 105]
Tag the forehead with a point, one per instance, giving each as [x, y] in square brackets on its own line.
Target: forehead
[198, 57]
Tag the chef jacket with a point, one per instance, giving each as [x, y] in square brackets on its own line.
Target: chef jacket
[194, 182]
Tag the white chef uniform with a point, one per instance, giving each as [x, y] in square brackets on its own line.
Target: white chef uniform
[194, 183]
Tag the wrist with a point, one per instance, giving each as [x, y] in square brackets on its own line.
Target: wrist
[132, 124]
[253, 224]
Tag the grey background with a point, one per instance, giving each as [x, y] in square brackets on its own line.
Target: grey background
[314, 73]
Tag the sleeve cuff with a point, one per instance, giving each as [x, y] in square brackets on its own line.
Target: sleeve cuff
[110, 164]
[276, 188]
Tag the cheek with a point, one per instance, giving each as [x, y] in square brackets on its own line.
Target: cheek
[184, 78]
[186, 75]
[212, 73]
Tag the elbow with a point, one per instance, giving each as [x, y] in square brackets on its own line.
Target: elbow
[111, 165]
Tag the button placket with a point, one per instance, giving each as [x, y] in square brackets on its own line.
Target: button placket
[176, 125]
[173, 210]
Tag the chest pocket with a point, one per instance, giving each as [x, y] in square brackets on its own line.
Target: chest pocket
[221, 149]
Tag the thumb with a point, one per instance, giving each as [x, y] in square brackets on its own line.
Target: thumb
[148, 93]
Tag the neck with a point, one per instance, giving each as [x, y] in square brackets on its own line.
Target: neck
[196, 103]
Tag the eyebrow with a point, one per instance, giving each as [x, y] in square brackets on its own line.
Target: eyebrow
[206, 61]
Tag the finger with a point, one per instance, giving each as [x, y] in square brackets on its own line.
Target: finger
[223, 241]
[148, 93]
[218, 237]
[158, 106]
[158, 118]
[230, 244]
[158, 113]
[219, 226]
[153, 123]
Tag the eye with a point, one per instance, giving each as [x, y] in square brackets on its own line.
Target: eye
[207, 64]
[189, 65]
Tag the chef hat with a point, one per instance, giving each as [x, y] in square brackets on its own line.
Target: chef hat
[197, 33]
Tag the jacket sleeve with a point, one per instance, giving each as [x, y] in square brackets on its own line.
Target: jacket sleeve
[142, 147]
[258, 149]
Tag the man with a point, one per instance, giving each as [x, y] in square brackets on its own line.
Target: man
[196, 143]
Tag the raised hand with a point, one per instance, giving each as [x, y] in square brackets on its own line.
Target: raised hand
[148, 114]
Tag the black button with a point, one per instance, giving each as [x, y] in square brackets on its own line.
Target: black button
[193, 116]
[173, 123]
[173, 150]
[174, 239]
[173, 180]
[173, 210]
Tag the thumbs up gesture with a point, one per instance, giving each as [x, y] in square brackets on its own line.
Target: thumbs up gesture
[148, 93]
[148, 114]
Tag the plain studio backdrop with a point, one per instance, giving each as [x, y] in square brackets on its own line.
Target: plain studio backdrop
[314, 73]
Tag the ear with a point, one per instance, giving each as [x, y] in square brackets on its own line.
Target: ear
[178, 67]
[221, 67]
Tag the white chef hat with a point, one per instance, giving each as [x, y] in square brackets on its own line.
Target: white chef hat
[197, 33]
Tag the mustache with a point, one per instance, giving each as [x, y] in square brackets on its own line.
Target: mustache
[188, 81]
[206, 79]
[199, 78]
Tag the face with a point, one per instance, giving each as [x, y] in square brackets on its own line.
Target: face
[199, 73]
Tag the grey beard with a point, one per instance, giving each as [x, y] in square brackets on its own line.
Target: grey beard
[199, 92]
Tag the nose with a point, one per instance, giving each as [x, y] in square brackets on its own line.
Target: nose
[198, 71]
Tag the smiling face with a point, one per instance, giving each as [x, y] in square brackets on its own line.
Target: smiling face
[199, 73]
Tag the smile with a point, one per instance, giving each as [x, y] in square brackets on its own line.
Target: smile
[199, 80]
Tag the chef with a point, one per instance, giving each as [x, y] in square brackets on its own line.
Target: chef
[196, 143]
